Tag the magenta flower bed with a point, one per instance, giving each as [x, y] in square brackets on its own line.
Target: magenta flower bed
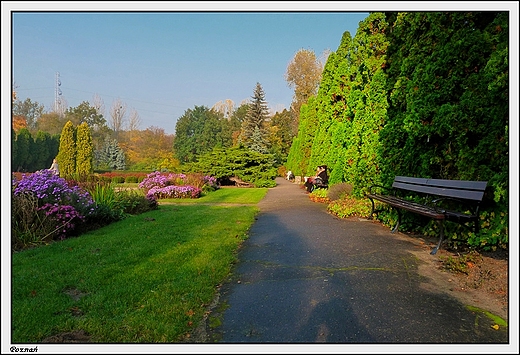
[173, 191]
[169, 185]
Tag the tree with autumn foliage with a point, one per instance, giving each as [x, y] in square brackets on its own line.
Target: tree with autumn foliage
[148, 150]
[51, 122]
[304, 75]
[280, 135]
[29, 111]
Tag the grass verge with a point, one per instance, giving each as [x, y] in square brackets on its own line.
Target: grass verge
[145, 279]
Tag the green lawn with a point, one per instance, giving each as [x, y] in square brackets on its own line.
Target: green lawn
[226, 195]
[145, 279]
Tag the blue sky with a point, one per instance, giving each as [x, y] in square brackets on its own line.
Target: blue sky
[170, 57]
[163, 63]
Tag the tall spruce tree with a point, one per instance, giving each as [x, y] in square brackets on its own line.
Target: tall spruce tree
[111, 156]
[253, 134]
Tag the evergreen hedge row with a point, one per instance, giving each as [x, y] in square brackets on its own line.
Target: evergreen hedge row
[422, 94]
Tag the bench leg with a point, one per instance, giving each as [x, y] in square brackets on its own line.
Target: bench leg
[441, 236]
[373, 209]
[398, 221]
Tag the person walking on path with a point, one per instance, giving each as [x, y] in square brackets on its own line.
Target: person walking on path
[306, 276]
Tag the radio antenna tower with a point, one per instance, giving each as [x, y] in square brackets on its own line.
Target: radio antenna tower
[57, 94]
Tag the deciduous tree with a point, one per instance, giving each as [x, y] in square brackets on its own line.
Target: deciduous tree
[29, 110]
[198, 131]
[304, 75]
[134, 120]
[280, 135]
[84, 112]
[117, 115]
[51, 122]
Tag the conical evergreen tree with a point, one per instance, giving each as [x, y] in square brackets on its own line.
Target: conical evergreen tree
[253, 134]
[67, 151]
[111, 156]
[84, 151]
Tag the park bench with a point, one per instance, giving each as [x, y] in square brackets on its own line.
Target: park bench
[442, 200]
[320, 184]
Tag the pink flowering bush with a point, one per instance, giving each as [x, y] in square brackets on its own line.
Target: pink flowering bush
[171, 185]
[173, 191]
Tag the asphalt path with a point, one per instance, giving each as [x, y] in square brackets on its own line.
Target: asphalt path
[305, 276]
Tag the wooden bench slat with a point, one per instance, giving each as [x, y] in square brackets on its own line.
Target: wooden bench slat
[456, 184]
[438, 191]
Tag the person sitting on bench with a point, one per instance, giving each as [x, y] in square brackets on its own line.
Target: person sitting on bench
[320, 179]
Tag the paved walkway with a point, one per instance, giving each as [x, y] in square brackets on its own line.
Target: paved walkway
[305, 276]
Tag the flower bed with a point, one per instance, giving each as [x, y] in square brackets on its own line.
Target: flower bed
[171, 185]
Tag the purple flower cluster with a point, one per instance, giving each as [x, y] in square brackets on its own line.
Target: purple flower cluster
[60, 201]
[155, 179]
[173, 191]
[64, 217]
[168, 185]
[50, 188]
[210, 180]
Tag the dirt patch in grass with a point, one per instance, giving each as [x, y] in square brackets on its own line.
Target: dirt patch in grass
[77, 336]
[475, 279]
[484, 274]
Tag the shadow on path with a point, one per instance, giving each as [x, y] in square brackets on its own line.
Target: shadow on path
[305, 276]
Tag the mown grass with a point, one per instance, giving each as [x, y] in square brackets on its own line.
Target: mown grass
[145, 279]
[225, 195]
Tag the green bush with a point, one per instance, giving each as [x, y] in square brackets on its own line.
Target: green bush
[108, 208]
[118, 179]
[135, 202]
[243, 163]
[350, 206]
[131, 179]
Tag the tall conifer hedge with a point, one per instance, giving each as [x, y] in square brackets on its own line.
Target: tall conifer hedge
[422, 94]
